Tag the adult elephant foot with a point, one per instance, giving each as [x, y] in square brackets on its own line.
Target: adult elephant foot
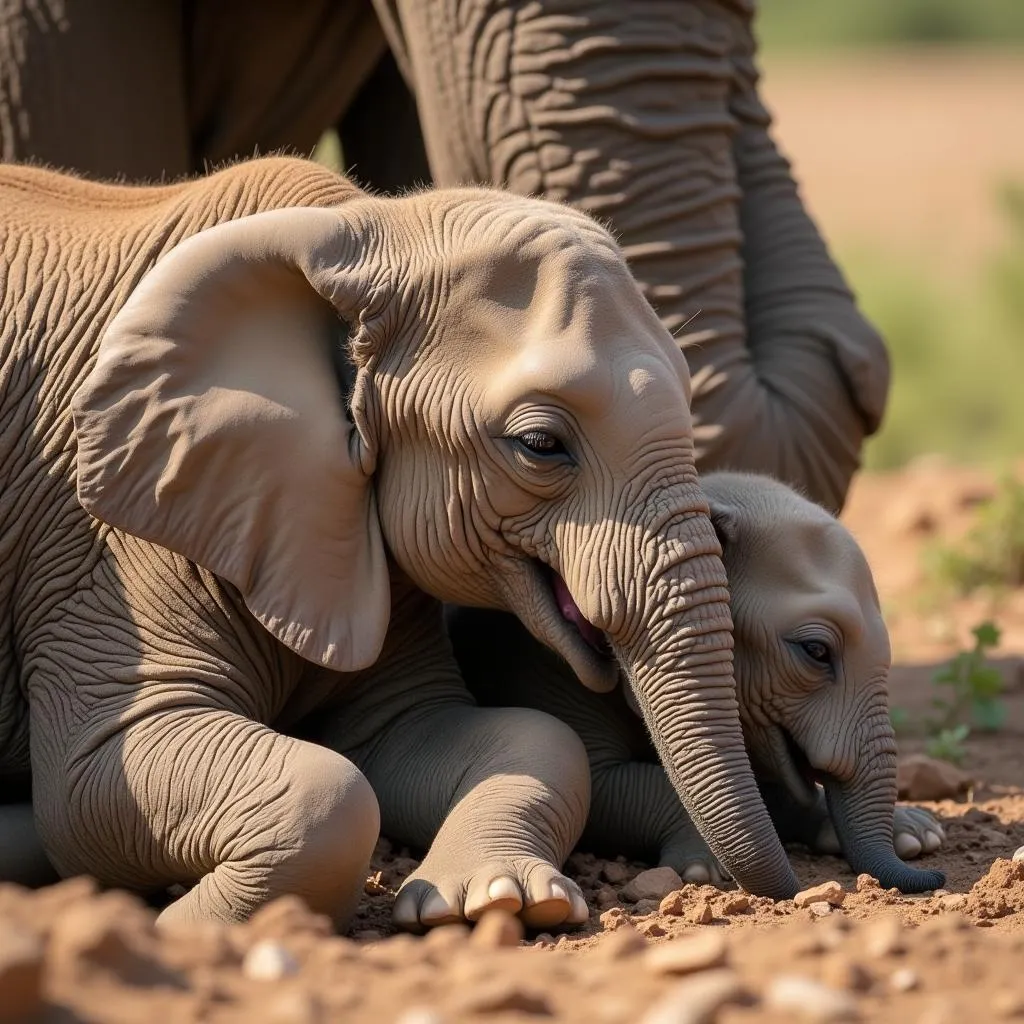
[443, 891]
[915, 832]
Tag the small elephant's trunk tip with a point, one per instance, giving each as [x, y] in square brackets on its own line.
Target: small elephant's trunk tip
[908, 880]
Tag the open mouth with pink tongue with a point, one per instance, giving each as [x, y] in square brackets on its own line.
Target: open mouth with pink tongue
[571, 613]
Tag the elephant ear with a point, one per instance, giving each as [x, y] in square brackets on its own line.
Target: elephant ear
[212, 424]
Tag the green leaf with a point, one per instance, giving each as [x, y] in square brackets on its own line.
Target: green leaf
[987, 634]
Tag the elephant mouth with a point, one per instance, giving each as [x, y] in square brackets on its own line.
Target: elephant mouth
[796, 772]
[570, 611]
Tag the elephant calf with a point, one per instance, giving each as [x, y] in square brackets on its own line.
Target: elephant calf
[254, 429]
[812, 661]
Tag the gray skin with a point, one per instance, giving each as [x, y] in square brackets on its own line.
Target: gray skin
[256, 428]
[812, 661]
[646, 114]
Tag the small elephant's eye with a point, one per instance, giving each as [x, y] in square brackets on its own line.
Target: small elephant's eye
[540, 442]
[817, 651]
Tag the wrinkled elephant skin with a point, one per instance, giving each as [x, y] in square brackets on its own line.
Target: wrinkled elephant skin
[258, 426]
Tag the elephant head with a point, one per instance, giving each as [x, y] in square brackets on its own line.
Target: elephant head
[812, 664]
[510, 426]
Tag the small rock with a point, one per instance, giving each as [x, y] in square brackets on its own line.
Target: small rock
[625, 941]
[615, 873]
[606, 897]
[846, 974]
[420, 1015]
[904, 980]
[820, 908]
[642, 907]
[952, 901]
[735, 903]
[696, 1000]
[502, 995]
[613, 918]
[1007, 1003]
[882, 937]
[919, 777]
[828, 892]
[21, 969]
[652, 929]
[867, 883]
[373, 885]
[653, 884]
[809, 999]
[497, 928]
[269, 961]
[686, 955]
[673, 904]
[1018, 854]
[701, 913]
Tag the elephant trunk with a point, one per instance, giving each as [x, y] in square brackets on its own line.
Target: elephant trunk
[679, 664]
[862, 808]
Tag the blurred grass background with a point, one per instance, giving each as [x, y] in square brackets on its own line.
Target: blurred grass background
[905, 123]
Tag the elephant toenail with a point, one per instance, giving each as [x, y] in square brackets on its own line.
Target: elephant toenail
[580, 910]
[697, 873]
[436, 908]
[558, 892]
[503, 889]
[932, 841]
[907, 846]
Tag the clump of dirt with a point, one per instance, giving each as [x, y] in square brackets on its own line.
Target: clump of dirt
[72, 953]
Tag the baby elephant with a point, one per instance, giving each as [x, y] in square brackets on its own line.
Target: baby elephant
[811, 660]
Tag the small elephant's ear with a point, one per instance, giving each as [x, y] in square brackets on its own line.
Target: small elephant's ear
[212, 425]
[725, 522]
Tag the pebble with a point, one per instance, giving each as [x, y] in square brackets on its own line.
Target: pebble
[696, 1000]
[497, 928]
[919, 777]
[686, 955]
[820, 908]
[701, 913]
[882, 937]
[868, 883]
[809, 999]
[502, 995]
[420, 1015]
[673, 904]
[652, 929]
[607, 897]
[653, 884]
[615, 873]
[831, 893]
[904, 980]
[269, 961]
[623, 942]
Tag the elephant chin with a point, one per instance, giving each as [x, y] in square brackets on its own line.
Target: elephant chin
[865, 836]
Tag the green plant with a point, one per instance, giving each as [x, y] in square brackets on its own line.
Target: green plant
[967, 696]
[992, 552]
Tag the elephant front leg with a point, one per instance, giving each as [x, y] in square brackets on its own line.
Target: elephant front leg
[209, 799]
[499, 797]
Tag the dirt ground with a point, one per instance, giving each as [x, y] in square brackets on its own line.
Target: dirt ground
[849, 951]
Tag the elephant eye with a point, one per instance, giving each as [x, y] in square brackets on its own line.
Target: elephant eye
[540, 442]
[817, 651]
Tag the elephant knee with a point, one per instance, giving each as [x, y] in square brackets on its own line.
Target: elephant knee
[334, 811]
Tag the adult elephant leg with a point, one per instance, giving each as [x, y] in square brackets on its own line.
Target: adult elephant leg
[211, 799]
[646, 114]
[633, 808]
[97, 88]
[392, 159]
[497, 796]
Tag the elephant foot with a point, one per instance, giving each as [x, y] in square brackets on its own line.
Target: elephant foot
[915, 831]
[534, 890]
[694, 861]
